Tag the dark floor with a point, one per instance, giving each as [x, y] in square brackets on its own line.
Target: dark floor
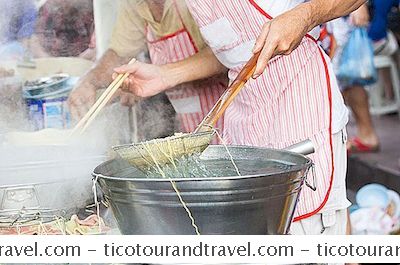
[382, 167]
[388, 130]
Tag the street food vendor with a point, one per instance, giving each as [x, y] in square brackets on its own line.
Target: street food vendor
[168, 32]
[293, 95]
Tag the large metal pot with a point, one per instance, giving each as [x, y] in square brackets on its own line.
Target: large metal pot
[41, 178]
[261, 202]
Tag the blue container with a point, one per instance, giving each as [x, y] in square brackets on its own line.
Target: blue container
[373, 195]
[50, 109]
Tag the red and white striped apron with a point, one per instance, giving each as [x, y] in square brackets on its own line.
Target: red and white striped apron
[290, 102]
[192, 101]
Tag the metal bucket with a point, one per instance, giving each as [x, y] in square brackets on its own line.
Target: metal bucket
[262, 202]
[46, 178]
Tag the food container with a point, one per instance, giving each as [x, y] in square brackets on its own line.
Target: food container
[44, 178]
[46, 100]
[45, 85]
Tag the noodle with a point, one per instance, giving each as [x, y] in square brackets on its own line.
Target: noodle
[170, 157]
[229, 153]
[193, 223]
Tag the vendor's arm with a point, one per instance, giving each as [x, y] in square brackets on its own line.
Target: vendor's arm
[127, 41]
[84, 94]
[146, 80]
[282, 35]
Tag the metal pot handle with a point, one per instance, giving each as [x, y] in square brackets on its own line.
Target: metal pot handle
[313, 186]
[305, 148]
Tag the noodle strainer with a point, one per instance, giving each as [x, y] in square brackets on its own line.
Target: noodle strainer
[164, 150]
[161, 151]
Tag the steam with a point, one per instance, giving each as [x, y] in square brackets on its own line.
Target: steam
[42, 28]
[12, 107]
[156, 118]
[59, 177]
[48, 176]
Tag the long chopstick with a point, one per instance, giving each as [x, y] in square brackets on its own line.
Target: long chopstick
[101, 102]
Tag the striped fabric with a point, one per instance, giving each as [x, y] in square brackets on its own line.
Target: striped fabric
[176, 47]
[290, 102]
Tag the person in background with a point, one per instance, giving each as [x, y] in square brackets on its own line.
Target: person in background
[394, 22]
[356, 97]
[292, 96]
[17, 28]
[166, 30]
[66, 28]
[384, 40]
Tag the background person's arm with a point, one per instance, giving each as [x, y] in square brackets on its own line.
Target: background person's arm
[33, 45]
[127, 41]
[147, 80]
[360, 17]
[283, 34]
[84, 94]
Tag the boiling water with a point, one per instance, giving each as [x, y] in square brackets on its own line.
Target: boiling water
[194, 167]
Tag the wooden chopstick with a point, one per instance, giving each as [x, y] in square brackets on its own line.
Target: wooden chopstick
[101, 102]
[96, 104]
[104, 102]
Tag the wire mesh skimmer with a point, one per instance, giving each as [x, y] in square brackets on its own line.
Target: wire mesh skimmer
[165, 150]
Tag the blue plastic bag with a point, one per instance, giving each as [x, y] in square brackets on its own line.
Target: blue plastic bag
[356, 65]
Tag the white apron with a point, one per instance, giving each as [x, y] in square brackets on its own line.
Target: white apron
[290, 102]
[192, 101]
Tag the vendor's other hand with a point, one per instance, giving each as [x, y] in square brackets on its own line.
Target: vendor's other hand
[145, 80]
[360, 17]
[81, 99]
[280, 36]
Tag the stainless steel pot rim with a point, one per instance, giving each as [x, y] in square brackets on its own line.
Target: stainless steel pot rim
[96, 175]
[295, 168]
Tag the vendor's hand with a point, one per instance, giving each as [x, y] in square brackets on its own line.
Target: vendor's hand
[81, 99]
[360, 17]
[145, 80]
[280, 36]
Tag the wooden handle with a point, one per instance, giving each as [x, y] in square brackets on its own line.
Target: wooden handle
[227, 97]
